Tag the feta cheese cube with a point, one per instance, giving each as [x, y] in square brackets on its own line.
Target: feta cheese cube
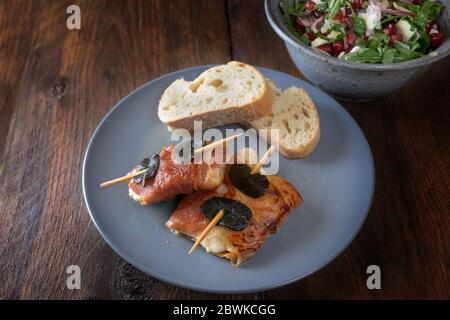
[404, 27]
[372, 18]
[318, 42]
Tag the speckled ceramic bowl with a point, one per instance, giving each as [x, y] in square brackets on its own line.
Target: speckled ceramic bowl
[350, 80]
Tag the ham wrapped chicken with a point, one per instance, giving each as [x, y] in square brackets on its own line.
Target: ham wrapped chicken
[173, 178]
[252, 215]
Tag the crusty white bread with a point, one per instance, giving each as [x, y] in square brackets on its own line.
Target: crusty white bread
[294, 113]
[224, 94]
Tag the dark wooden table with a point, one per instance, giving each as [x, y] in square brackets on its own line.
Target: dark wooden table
[56, 85]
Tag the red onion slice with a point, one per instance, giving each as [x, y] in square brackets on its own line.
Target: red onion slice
[378, 4]
[401, 13]
[304, 21]
[316, 22]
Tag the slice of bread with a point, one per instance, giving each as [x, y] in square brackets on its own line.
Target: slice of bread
[224, 94]
[296, 116]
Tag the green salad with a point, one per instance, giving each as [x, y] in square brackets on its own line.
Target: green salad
[367, 31]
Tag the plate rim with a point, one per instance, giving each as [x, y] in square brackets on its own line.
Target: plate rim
[163, 278]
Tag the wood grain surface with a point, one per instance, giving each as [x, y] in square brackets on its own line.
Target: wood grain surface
[56, 85]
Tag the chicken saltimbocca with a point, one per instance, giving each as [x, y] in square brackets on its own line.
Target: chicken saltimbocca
[255, 206]
[172, 178]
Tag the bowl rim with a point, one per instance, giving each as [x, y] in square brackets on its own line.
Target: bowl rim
[289, 38]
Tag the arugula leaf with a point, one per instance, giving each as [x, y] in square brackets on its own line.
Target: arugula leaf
[299, 4]
[322, 36]
[303, 38]
[337, 27]
[361, 42]
[405, 53]
[290, 23]
[414, 45]
[421, 20]
[427, 12]
[293, 31]
[388, 56]
[431, 9]
[365, 55]
[405, 56]
[340, 36]
[285, 10]
[333, 8]
[321, 8]
[359, 25]
[423, 41]
[377, 40]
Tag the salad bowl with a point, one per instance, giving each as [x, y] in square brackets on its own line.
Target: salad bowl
[348, 80]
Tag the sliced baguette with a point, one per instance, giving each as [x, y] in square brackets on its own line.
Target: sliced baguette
[296, 116]
[224, 94]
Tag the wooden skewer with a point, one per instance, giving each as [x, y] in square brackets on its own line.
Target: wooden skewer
[121, 179]
[261, 161]
[216, 143]
[202, 236]
[135, 174]
[219, 215]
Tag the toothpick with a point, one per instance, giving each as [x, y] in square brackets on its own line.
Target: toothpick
[135, 174]
[216, 143]
[261, 161]
[205, 232]
[121, 179]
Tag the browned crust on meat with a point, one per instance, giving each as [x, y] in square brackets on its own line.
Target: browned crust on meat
[268, 213]
[173, 179]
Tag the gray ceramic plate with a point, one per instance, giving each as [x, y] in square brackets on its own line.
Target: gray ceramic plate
[336, 182]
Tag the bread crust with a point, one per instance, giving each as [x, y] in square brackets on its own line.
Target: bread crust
[301, 151]
[256, 108]
[259, 107]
